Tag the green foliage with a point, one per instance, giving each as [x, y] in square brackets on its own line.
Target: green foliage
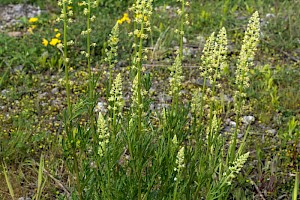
[127, 149]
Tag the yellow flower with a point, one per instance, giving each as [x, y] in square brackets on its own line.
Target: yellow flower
[33, 26]
[33, 19]
[54, 41]
[57, 35]
[123, 19]
[45, 42]
[55, 30]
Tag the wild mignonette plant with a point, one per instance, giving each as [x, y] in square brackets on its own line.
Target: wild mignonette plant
[130, 153]
[245, 61]
[111, 54]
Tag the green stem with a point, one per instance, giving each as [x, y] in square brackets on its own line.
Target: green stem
[140, 81]
[234, 140]
[90, 87]
[181, 30]
[108, 189]
[77, 174]
[88, 46]
[176, 188]
[140, 190]
[65, 57]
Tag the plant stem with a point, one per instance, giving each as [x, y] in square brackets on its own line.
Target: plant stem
[176, 188]
[66, 65]
[77, 174]
[139, 80]
[88, 46]
[181, 31]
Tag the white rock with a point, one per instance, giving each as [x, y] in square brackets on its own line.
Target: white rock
[4, 92]
[24, 198]
[270, 15]
[232, 123]
[54, 91]
[271, 131]
[100, 107]
[248, 119]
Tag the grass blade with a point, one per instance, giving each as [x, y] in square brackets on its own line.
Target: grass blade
[11, 191]
[40, 178]
[296, 187]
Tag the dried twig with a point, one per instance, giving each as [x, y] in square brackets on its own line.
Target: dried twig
[290, 56]
[58, 183]
[257, 189]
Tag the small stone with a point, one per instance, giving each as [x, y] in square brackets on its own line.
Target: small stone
[4, 92]
[270, 15]
[14, 34]
[24, 198]
[228, 98]
[248, 120]
[200, 82]
[271, 131]
[232, 123]
[18, 68]
[42, 95]
[152, 107]
[227, 129]
[100, 107]
[54, 91]
[186, 52]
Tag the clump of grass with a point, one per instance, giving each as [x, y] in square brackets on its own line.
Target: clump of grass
[153, 160]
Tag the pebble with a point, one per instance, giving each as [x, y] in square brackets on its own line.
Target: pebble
[270, 15]
[24, 198]
[271, 131]
[54, 91]
[232, 123]
[4, 92]
[100, 107]
[227, 98]
[248, 119]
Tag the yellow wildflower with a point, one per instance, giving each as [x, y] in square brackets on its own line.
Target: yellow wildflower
[55, 30]
[45, 42]
[55, 41]
[33, 19]
[123, 19]
[57, 35]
